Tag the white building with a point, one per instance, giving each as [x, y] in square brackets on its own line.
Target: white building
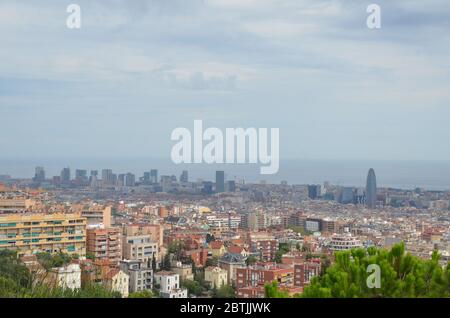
[68, 276]
[169, 285]
[344, 242]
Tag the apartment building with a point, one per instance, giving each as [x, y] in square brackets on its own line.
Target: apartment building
[156, 231]
[140, 277]
[12, 201]
[262, 273]
[266, 248]
[231, 262]
[141, 248]
[169, 285]
[303, 273]
[216, 276]
[97, 214]
[52, 233]
[104, 244]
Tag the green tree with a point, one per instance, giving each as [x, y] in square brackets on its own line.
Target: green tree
[166, 262]
[226, 291]
[271, 290]
[193, 287]
[250, 260]
[402, 275]
[141, 294]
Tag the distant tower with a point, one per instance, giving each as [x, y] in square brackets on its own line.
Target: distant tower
[220, 181]
[371, 189]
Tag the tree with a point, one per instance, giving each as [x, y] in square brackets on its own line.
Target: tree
[141, 294]
[283, 248]
[193, 287]
[214, 261]
[271, 290]
[226, 291]
[250, 260]
[402, 275]
[153, 263]
[166, 262]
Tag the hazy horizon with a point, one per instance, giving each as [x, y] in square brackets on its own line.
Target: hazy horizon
[138, 69]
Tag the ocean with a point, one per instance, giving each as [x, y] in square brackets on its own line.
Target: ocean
[431, 175]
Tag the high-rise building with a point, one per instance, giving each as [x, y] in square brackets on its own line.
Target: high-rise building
[314, 191]
[105, 244]
[220, 181]
[65, 176]
[130, 180]
[146, 179]
[52, 233]
[231, 186]
[371, 189]
[166, 183]
[346, 195]
[184, 176]
[108, 177]
[154, 176]
[39, 174]
[81, 176]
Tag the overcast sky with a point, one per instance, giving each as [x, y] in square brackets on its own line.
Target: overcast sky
[137, 69]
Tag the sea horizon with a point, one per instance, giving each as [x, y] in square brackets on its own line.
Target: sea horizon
[402, 174]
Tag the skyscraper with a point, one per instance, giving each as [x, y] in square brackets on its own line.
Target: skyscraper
[184, 176]
[154, 176]
[220, 181]
[39, 175]
[65, 176]
[371, 189]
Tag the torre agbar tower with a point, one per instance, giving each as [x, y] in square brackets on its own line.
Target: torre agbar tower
[371, 189]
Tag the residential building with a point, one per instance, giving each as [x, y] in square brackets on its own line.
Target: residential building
[104, 244]
[140, 277]
[216, 276]
[32, 233]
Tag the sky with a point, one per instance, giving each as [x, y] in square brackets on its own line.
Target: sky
[138, 69]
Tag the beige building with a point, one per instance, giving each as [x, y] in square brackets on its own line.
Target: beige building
[97, 214]
[154, 230]
[139, 247]
[184, 270]
[52, 233]
[117, 280]
[216, 276]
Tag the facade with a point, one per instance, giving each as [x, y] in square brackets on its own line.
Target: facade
[230, 262]
[220, 181]
[52, 233]
[303, 273]
[216, 276]
[263, 273]
[139, 247]
[97, 214]
[266, 249]
[154, 230]
[118, 281]
[184, 270]
[169, 285]
[344, 242]
[140, 277]
[371, 189]
[104, 244]
[68, 276]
